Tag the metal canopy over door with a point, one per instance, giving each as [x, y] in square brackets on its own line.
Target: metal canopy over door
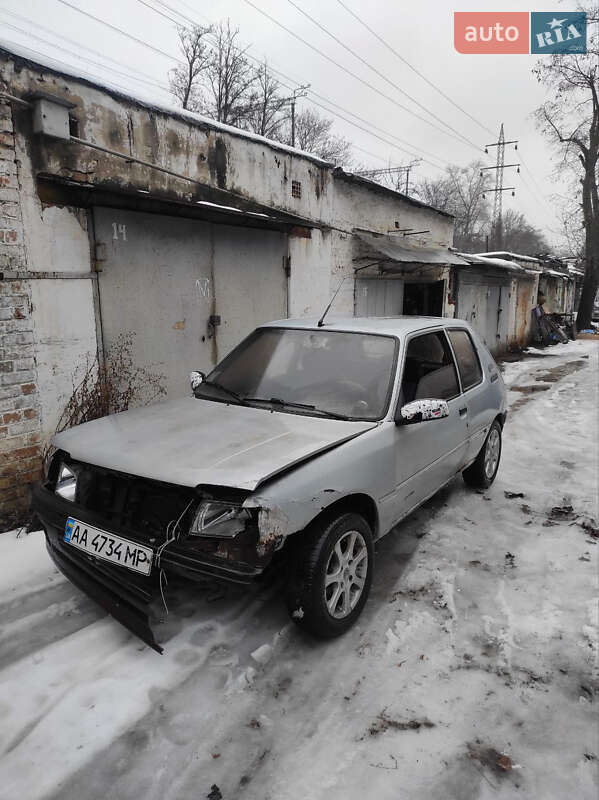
[189, 290]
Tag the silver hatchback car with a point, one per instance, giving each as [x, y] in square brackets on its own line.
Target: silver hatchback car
[306, 444]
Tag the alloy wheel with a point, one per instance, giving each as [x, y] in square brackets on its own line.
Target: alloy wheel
[492, 453]
[345, 574]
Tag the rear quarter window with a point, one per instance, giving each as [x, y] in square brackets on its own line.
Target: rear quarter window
[468, 363]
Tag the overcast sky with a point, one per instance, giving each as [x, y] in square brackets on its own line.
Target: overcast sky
[493, 89]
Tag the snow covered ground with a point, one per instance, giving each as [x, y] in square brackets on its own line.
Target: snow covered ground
[472, 673]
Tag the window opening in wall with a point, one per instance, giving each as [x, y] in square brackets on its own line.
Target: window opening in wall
[296, 189]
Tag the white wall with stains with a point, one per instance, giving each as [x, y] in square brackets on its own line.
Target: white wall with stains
[167, 301]
[56, 241]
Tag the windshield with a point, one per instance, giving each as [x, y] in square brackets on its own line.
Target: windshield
[309, 372]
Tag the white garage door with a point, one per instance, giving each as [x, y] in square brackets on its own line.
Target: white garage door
[164, 278]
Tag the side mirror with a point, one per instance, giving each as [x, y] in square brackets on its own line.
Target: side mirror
[195, 378]
[421, 411]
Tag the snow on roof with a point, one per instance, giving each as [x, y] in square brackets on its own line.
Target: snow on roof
[68, 70]
[484, 260]
[555, 273]
[507, 255]
[387, 246]
[43, 61]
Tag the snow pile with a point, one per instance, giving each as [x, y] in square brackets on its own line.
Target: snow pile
[476, 654]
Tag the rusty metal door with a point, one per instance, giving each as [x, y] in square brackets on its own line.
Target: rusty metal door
[187, 290]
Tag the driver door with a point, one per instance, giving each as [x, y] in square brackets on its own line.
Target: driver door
[430, 453]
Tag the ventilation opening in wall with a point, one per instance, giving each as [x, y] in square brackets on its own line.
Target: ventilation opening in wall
[296, 189]
[73, 126]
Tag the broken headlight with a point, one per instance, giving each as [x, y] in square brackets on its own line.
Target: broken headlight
[215, 518]
[66, 483]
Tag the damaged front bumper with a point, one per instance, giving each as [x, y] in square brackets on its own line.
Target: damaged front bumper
[126, 595]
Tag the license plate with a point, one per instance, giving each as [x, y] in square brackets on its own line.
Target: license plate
[107, 546]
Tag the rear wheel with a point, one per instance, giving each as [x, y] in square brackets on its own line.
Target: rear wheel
[331, 575]
[481, 473]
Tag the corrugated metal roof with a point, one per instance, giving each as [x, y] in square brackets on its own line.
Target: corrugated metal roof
[387, 247]
[509, 256]
[555, 274]
[498, 263]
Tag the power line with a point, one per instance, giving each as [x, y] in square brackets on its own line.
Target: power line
[311, 92]
[179, 61]
[379, 73]
[118, 30]
[84, 58]
[412, 67]
[77, 44]
[70, 69]
[353, 74]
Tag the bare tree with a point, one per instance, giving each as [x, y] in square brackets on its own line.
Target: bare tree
[185, 81]
[571, 122]
[313, 134]
[219, 81]
[229, 78]
[460, 191]
[437, 192]
[569, 212]
[470, 206]
[265, 113]
[520, 236]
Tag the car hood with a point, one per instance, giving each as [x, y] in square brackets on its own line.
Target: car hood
[191, 441]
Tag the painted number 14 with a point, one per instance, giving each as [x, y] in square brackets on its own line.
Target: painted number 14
[119, 231]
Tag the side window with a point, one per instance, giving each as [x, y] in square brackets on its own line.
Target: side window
[467, 358]
[429, 370]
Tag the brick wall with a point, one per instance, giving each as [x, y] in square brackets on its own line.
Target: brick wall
[19, 409]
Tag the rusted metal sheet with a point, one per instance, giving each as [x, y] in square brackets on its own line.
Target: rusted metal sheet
[389, 249]
[525, 301]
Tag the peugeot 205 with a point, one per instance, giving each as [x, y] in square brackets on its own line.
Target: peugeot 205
[300, 449]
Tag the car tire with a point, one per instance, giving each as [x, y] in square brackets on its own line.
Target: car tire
[481, 473]
[334, 559]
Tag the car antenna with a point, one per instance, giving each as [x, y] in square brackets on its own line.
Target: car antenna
[326, 311]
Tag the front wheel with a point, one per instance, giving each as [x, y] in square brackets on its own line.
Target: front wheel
[481, 473]
[331, 575]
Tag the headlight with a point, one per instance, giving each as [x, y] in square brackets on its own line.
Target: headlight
[66, 485]
[216, 518]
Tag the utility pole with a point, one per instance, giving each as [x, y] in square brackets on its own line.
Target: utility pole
[497, 221]
[399, 171]
[300, 91]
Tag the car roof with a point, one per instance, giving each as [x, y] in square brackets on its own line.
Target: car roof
[389, 326]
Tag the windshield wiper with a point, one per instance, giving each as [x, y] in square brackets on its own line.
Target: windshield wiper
[216, 385]
[276, 401]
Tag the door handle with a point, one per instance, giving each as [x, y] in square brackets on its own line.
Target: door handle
[463, 411]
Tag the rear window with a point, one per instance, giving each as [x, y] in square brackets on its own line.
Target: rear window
[468, 363]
